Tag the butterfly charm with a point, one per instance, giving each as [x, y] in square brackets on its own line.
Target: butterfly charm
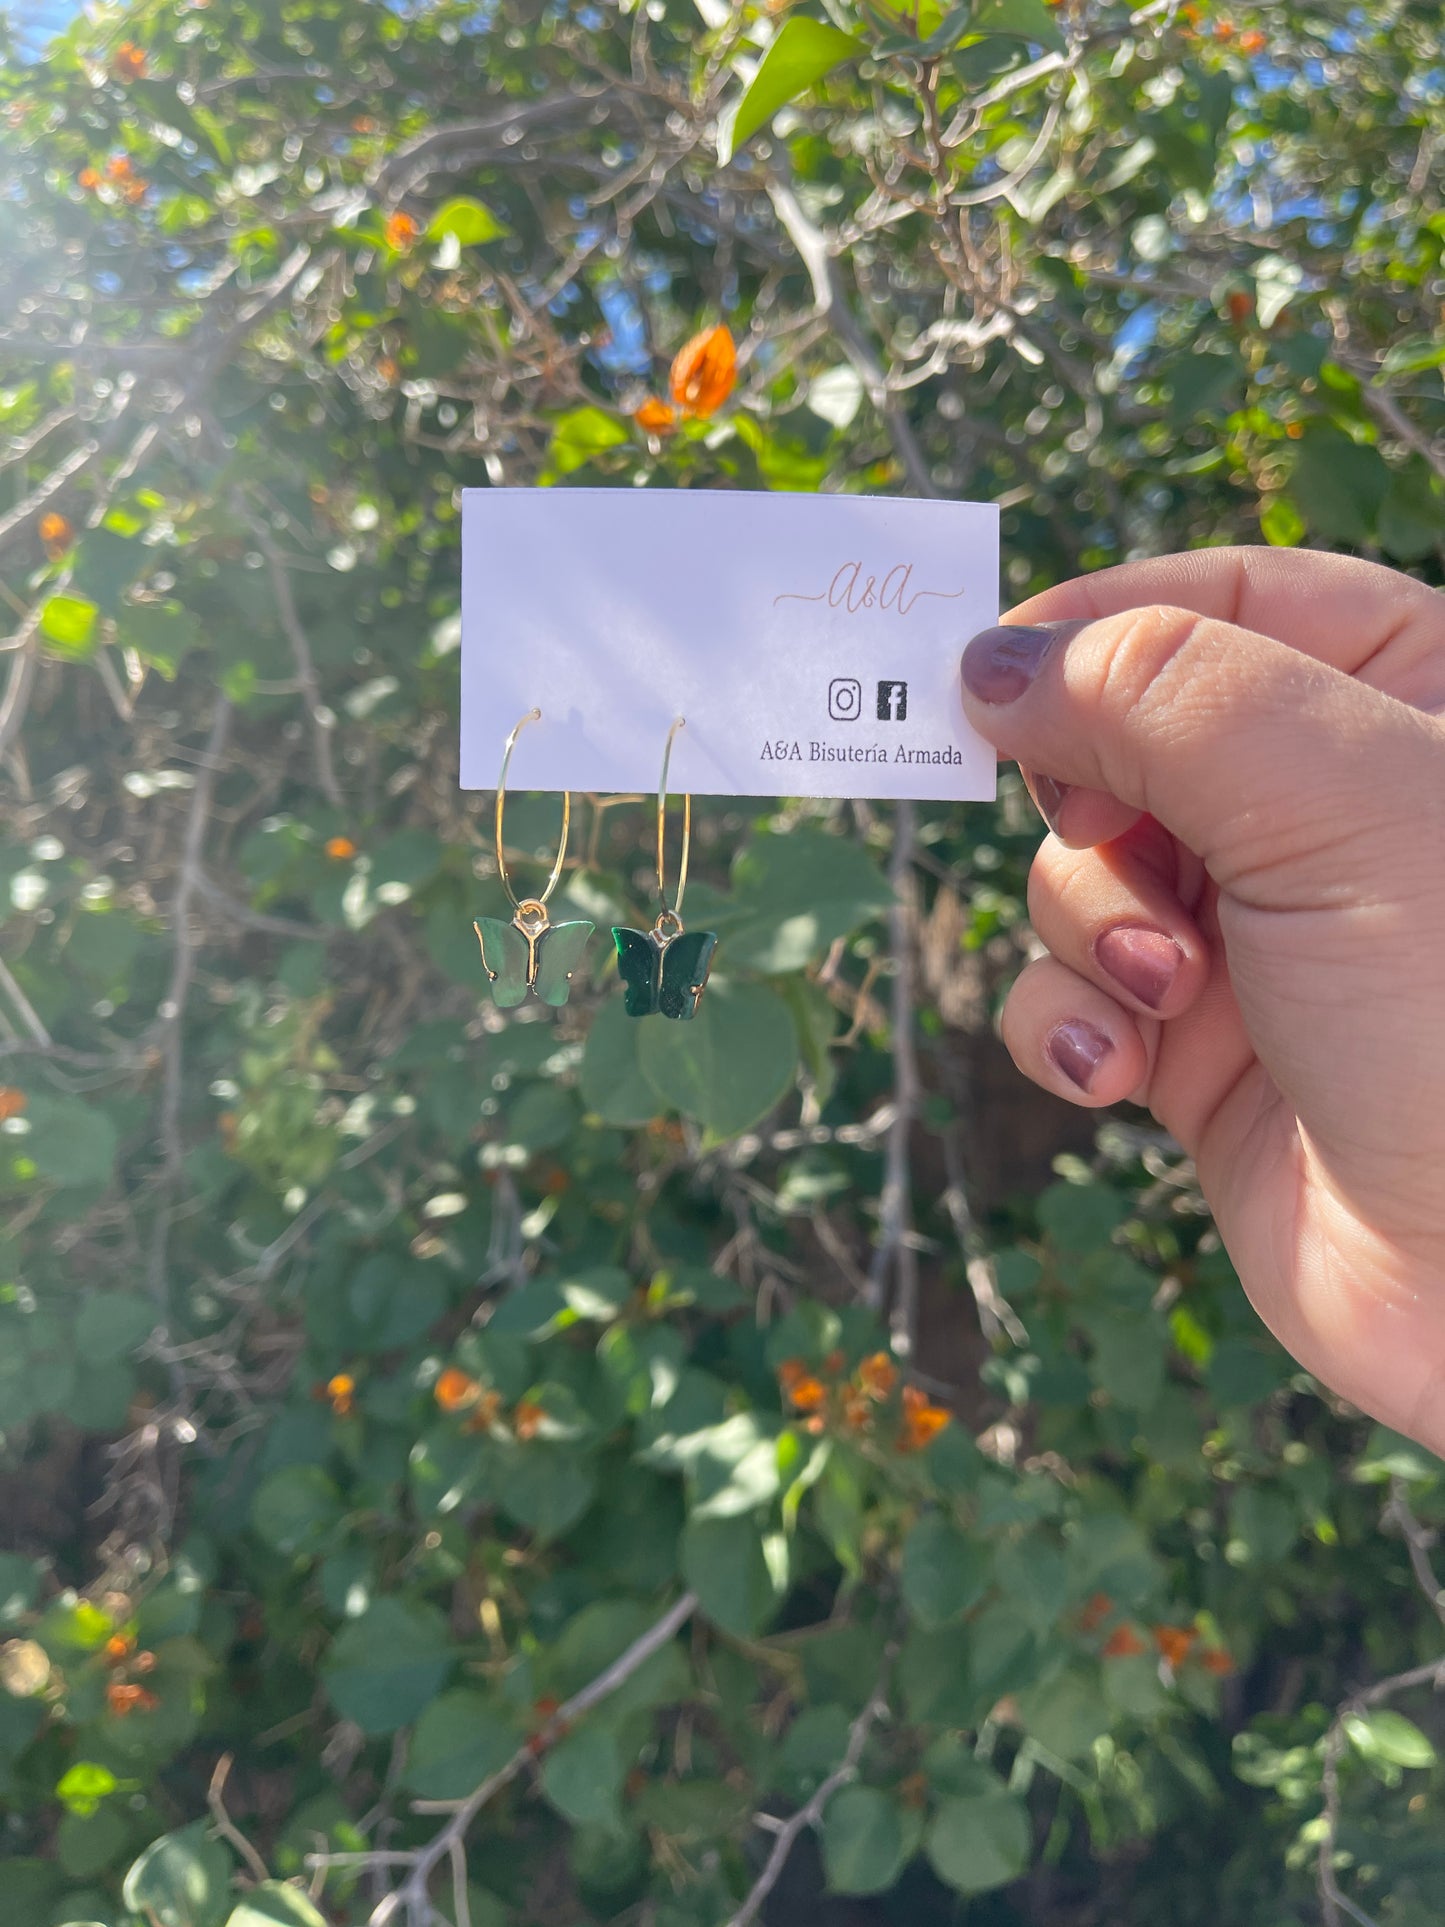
[530, 953]
[665, 968]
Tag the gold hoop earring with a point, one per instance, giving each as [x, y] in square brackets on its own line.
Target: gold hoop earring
[665, 969]
[531, 952]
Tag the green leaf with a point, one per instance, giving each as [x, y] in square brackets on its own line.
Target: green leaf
[297, 1510]
[274, 1904]
[386, 1665]
[975, 1843]
[544, 1487]
[1413, 356]
[1281, 524]
[82, 1787]
[796, 894]
[799, 55]
[1023, 19]
[460, 1740]
[610, 1076]
[73, 1143]
[583, 1775]
[730, 1065]
[67, 622]
[722, 1561]
[110, 1324]
[472, 222]
[582, 433]
[84, 1844]
[181, 1880]
[1338, 485]
[864, 1841]
[1383, 1734]
[944, 1571]
[734, 1468]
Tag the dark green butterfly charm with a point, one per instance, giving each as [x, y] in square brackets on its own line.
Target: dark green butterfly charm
[529, 953]
[665, 968]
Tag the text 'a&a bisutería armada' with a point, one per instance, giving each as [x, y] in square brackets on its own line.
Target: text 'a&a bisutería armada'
[790, 750]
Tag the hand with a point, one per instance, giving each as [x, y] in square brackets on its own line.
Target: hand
[1241, 755]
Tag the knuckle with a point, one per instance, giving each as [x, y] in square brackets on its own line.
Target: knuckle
[1138, 667]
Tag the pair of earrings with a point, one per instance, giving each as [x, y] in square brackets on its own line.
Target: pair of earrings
[664, 969]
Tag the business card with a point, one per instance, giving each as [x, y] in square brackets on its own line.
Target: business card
[810, 642]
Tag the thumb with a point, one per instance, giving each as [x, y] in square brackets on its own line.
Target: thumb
[1286, 776]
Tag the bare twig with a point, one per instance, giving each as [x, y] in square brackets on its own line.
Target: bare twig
[449, 1843]
[832, 305]
[323, 721]
[810, 1814]
[895, 1251]
[1419, 1541]
[225, 1825]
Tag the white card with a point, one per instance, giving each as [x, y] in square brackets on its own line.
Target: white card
[811, 642]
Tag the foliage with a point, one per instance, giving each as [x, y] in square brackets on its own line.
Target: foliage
[378, 1367]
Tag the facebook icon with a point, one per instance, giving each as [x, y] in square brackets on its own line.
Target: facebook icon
[892, 702]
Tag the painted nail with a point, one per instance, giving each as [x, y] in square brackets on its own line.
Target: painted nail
[1078, 1049]
[999, 664]
[1145, 962]
[1048, 795]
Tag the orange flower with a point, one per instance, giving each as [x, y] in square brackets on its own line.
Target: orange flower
[118, 168]
[88, 179]
[922, 1420]
[12, 1102]
[118, 1649]
[341, 1390]
[129, 62]
[834, 1363]
[389, 370]
[1123, 1643]
[526, 1419]
[1253, 42]
[814, 1425]
[791, 1372]
[857, 1412]
[1294, 430]
[340, 849]
[135, 190]
[455, 1390]
[124, 1699]
[1224, 30]
[364, 124]
[808, 1394]
[1095, 1612]
[878, 1375]
[1240, 305]
[1174, 1642]
[655, 416]
[704, 371]
[57, 533]
[1216, 1660]
[401, 231]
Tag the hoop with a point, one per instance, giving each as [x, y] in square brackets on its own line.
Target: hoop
[671, 913]
[529, 909]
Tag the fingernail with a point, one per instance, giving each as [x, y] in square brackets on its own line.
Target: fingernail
[1048, 795]
[1078, 1049]
[1145, 962]
[999, 664]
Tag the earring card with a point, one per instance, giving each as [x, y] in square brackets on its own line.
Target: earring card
[810, 641]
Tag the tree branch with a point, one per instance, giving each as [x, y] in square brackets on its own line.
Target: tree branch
[450, 1842]
[832, 307]
[323, 721]
[895, 1251]
[812, 1813]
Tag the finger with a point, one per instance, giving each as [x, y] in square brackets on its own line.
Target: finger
[1072, 1038]
[1265, 762]
[1113, 915]
[1077, 816]
[1369, 621]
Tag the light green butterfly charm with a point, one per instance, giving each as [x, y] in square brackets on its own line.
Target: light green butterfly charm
[530, 953]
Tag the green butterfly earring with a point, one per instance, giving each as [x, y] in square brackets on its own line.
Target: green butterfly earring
[531, 952]
[665, 968]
